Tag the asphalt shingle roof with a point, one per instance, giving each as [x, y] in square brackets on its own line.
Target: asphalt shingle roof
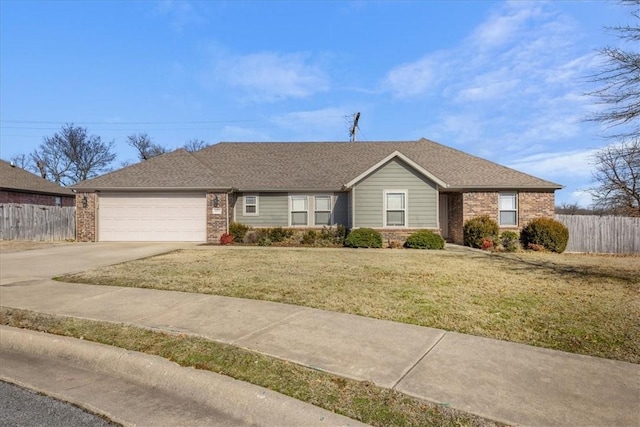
[15, 178]
[330, 165]
[307, 166]
[176, 170]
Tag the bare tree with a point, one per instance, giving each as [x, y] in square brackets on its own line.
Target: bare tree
[617, 173]
[72, 155]
[195, 145]
[619, 79]
[22, 161]
[147, 149]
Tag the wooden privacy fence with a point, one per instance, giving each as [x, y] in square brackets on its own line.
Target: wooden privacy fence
[602, 234]
[37, 222]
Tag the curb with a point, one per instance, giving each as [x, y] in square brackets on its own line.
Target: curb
[253, 404]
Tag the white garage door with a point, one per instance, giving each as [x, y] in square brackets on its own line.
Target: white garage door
[152, 217]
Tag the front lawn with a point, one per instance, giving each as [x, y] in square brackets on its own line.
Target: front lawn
[583, 304]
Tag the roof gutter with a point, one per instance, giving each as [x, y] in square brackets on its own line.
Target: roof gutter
[505, 187]
[135, 189]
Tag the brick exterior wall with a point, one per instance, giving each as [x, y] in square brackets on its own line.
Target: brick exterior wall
[35, 198]
[86, 218]
[464, 206]
[533, 204]
[217, 223]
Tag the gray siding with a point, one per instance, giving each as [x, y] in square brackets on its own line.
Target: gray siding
[396, 175]
[341, 209]
[273, 210]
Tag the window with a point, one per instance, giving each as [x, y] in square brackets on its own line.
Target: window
[251, 205]
[322, 210]
[395, 206]
[508, 209]
[58, 201]
[299, 209]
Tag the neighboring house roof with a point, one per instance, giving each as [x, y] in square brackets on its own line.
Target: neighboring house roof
[14, 178]
[177, 170]
[290, 166]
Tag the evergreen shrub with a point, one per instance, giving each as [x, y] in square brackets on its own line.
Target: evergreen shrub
[424, 239]
[478, 229]
[546, 232]
[363, 238]
[238, 231]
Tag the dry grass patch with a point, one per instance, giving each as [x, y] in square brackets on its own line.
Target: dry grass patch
[578, 303]
[7, 246]
[358, 400]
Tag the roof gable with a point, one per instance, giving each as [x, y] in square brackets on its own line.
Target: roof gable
[397, 155]
[15, 178]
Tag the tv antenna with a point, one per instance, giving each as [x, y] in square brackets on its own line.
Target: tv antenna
[353, 132]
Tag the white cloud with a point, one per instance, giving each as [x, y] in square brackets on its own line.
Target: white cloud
[581, 198]
[515, 86]
[489, 87]
[503, 26]
[412, 79]
[180, 13]
[271, 76]
[575, 164]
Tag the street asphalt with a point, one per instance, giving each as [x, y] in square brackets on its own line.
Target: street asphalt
[20, 407]
[503, 381]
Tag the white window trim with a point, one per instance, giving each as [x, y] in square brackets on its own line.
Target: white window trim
[513, 194]
[331, 201]
[244, 205]
[291, 196]
[406, 209]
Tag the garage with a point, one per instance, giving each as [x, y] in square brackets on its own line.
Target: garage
[152, 217]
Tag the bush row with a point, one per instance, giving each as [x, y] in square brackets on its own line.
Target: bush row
[327, 236]
[482, 232]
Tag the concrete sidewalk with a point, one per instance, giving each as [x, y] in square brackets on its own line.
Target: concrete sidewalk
[503, 381]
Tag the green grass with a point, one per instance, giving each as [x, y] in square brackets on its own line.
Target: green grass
[358, 400]
[578, 303]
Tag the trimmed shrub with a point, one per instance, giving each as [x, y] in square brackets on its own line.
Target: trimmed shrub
[536, 248]
[264, 241]
[487, 243]
[545, 232]
[278, 234]
[509, 241]
[252, 237]
[238, 231]
[479, 228]
[424, 239]
[309, 237]
[334, 236]
[226, 239]
[363, 238]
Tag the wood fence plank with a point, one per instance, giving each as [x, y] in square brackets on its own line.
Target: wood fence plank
[37, 222]
[602, 234]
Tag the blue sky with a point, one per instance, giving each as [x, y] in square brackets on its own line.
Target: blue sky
[501, 80]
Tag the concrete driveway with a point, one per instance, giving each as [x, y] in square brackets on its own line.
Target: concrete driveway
[54, 261]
